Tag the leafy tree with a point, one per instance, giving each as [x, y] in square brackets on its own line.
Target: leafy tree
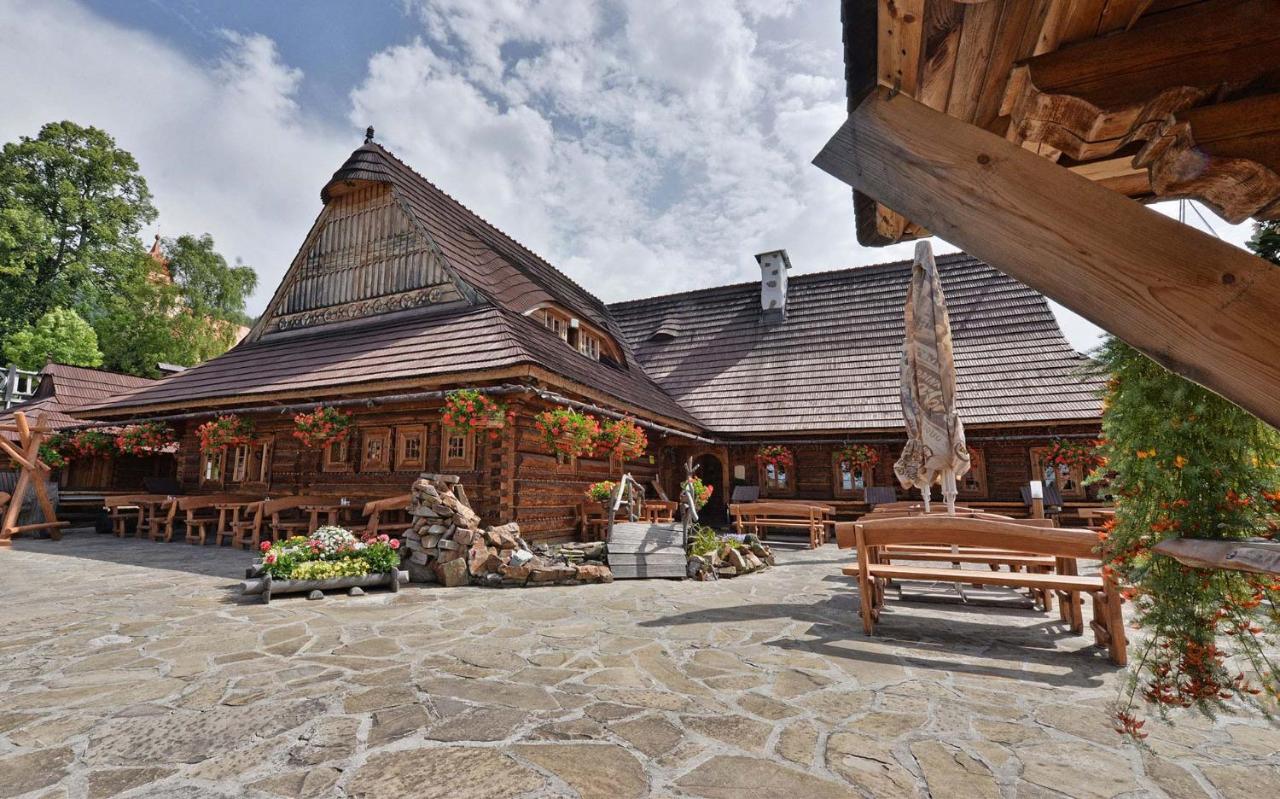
[184, 311]
[1266, 240]
[60, 335]
[1183, 461]
[209, 286]
[71, 207]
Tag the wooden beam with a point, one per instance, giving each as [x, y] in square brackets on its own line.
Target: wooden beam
[1254, 556]
[1227, 155]
[1202, 307]
[1093, 98]
[899, 45]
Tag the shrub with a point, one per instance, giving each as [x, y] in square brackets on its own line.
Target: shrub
[1185, 462]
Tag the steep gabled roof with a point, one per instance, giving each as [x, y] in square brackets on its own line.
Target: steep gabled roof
[833, 363]
[65, 388]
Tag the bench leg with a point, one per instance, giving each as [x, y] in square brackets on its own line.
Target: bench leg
[866, 589]
[1117, 645]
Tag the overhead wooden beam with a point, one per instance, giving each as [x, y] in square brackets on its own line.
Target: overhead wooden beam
[1202, 307]
[1227, 155]
[899, 46]
[1092, 98]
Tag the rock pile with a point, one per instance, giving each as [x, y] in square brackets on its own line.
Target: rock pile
[447, 544]
[730, 561]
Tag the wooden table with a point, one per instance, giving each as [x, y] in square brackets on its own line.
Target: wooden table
[150, 518]
[330, 511]
[230, 526]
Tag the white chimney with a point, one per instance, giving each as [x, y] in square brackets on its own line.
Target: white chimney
[773, 284]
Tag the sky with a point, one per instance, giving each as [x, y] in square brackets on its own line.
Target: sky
[642, 146]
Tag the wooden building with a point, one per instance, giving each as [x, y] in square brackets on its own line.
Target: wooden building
[400, 294]
[60, 390]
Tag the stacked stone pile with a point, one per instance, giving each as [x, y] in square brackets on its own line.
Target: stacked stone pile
[447, 544]
[731, 561]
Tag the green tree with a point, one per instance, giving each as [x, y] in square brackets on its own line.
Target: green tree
[71, 207]
[183, 311]
[1183, 461]
[209, 286]
[60, 336]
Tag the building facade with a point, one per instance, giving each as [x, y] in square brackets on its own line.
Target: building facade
[399, 294]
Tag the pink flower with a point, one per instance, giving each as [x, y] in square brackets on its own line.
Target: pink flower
[383, 537]
[265, 546]
[394, 544]
[270, 558]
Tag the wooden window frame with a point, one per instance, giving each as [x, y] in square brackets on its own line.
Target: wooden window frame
[1076, 474]
[837, 483]
[340, 463]
[789, 488]
[977, 472]
[465, 463]
[205, 459]
[404, 434]
[379, 435]
[258, 470]
[239, 467]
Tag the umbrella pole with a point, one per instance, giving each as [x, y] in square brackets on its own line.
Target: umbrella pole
[949, 490]
[926, 493]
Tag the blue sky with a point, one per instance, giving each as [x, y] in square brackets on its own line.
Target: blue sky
[643, 146]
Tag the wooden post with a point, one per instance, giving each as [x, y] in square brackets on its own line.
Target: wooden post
[1037, 508]
[27, 456]
[1201, 307]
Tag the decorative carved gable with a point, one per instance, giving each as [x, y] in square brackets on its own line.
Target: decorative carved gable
[363, 257]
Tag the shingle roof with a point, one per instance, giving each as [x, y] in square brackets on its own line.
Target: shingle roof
[329, 359]
[833, 363]
[64, 388]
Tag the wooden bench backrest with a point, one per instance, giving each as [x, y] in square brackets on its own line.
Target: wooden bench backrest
[197, 501]
[774, 510]
[1036, 539]
[279, 504]
[122, 499]
[399, 502]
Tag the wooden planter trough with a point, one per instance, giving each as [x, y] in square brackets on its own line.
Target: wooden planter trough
[266, 585]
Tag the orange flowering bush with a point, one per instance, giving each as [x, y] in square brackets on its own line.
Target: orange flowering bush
[1182, 461]
[567, 432]
[140, 439]
[224, 431]
[316, 429]
[622, 439]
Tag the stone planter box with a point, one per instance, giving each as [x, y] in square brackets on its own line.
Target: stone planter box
[267, 586]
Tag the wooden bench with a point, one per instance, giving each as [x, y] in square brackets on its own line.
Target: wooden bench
[757, 517]
[1065, 546]
[379, 511]
[280, 511]
[121, 510]
[199, 513]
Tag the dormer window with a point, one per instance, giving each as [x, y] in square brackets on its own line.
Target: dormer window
[587, 340]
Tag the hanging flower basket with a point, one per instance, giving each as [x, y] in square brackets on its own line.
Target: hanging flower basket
[316, 430]
[858, 456]
[778, 457]
[566, 432]
[467, 409]
[88, 444]
[224, 431]
[701, 491]
[51, 457]
[602, 491]
[622, 439]
[1084, 454]
[145, 438]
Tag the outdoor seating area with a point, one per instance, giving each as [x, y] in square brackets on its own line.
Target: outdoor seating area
[245, 520]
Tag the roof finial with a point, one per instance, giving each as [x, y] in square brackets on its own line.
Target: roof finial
[368, 135]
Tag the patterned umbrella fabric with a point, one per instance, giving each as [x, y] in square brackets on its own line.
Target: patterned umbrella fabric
[935, 450]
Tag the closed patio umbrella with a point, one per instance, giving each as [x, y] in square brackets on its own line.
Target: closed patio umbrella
[935, 450]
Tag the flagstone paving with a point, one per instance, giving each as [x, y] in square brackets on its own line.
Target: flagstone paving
[131, 668]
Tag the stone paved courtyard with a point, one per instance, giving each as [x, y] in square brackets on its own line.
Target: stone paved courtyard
[131, 668]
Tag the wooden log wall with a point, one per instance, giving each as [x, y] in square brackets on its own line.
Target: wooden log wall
[515, 477]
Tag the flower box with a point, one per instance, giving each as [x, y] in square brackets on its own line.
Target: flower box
[266, 586]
